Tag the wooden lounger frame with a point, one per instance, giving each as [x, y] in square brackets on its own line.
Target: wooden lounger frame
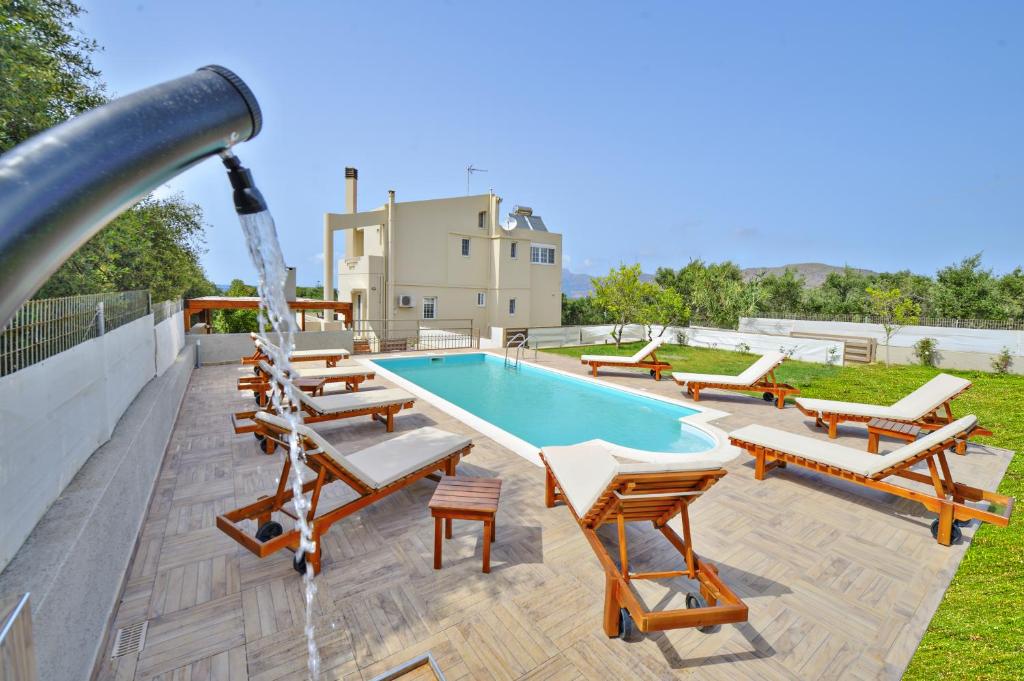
[653, 365]
[949, 497]
[327, 471]
[259, 383]
[657, 497]
[245, 421]
[771, 389]
[931, 421]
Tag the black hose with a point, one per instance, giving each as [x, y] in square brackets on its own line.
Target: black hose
[62, 186]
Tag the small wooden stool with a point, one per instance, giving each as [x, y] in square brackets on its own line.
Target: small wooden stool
[463, 498]
[901, 431]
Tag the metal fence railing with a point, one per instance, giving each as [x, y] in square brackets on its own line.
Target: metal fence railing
[167, 309]
[43, 328]
[943, 322]
[394, 335]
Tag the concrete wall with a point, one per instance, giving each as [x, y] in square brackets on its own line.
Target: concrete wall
[169, 336]
[805, 349]
[76, 558]
[53, 416]
[229, 348]
[959, 348]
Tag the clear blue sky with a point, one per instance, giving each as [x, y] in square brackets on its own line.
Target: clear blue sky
[883, 135]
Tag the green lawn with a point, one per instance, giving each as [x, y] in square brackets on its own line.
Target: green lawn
[978, 631]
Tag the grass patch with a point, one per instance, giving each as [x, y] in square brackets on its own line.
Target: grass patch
[978, 631]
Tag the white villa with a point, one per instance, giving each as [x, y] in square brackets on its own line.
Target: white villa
[445, 259]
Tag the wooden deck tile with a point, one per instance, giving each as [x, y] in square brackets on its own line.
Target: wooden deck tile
[840, 582]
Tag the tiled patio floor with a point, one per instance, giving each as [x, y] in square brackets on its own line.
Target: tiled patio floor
[840, 581]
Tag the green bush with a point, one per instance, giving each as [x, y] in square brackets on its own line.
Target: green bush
[1003, 362]
[926, 351]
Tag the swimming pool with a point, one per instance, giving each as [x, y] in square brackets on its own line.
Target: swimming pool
[543, 407]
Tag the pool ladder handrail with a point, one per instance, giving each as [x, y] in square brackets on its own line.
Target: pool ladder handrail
[517, 341]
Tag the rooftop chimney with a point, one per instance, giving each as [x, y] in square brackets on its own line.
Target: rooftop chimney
[351, 179]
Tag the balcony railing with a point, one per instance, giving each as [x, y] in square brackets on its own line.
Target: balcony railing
[377, 335]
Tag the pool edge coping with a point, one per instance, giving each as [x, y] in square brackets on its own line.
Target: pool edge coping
[700, 419]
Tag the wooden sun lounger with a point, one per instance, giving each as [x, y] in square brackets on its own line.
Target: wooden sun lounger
[633, 493]
[773, 448]
[928, 407]
[330, 356]
[351, 375]
[758, 377]
[372, 473]
[380, 405]
[646, 358]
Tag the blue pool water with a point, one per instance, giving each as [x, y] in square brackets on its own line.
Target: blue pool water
[547, 408]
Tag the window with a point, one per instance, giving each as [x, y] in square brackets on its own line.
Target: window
[511, 307]
[430, 307]
[465, 247]
[481, 299]
[481, 219]
[515, 250]
[542, 255]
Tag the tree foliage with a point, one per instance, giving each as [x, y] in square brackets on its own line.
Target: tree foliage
[154, 245]
[894, 309]
[46, 70]
[47, 76]
[237, 321]
[621, 296]
[717, 295]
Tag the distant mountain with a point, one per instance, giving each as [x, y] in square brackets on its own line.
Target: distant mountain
[814, 273]
[578, 285]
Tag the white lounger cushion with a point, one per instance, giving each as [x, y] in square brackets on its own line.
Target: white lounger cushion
[332, 372]
[343, 371]
[752, 374]
[383, 463]
[917, 404]
[840, 456]
[586, 469]
[263, 343]
[364, 399]
[637, 357]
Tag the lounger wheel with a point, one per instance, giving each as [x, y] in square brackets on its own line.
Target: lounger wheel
[268, 531]
[767, 397]
[955, 535]
[695, 601]
[299, 562]
[654, 373]
[265, 445]
[256, 371]
[627, 629]
[260, 437]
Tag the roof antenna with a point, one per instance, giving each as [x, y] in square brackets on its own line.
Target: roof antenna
[469, 172]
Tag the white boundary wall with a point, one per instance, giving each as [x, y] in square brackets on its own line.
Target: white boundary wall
[55, 414]
[959, 348]
[805, 349]
[169, 336]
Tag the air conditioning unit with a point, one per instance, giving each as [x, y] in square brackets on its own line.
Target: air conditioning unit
[405, 301]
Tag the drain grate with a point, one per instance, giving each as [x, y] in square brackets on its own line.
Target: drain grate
[130, 639]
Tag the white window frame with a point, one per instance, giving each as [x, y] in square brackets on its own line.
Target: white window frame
[433, 307]
[464, 247]
[514, 250]
[540, 249]
[511, 307]
[481, 219]
[481, 299]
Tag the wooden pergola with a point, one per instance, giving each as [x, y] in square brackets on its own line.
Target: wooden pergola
[203, 305]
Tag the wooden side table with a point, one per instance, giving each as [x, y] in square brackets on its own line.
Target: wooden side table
[464, 498]
[901, 431]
